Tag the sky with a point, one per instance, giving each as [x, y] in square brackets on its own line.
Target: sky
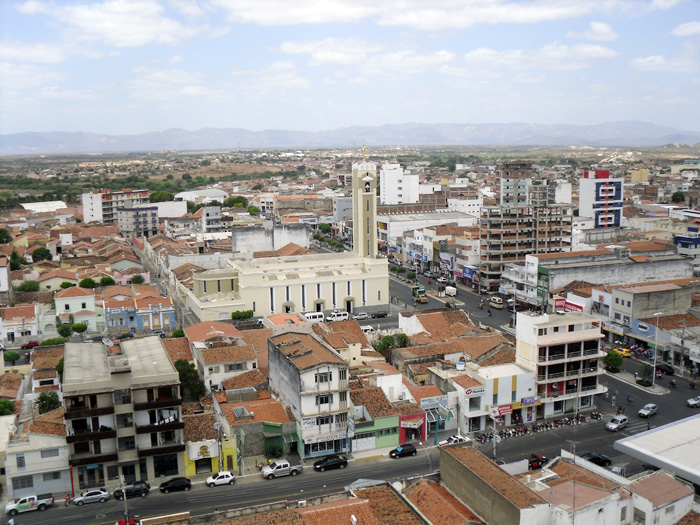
[137, 66]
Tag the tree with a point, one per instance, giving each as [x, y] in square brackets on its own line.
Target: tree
[411, 276]
[7, 407]
[47, 401]
[402, 340]
[189, 378]
[178, 333]
[258, 186]
[612, 361]
[66, 284]
[79, 328]
[401, 269]
[88, 282]
[107, 281]
[324, 228]
[59, 370]
[678, 196]
[16, 261]
[161, 196]
[137, 279]
[5, 237]
[41, 254]
[393, 268]
[65, 330]
[253, 210]
[28, 286]
[645, 372]
[236, 202]
[12, 356]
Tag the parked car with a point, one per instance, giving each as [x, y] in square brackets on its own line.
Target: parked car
[221, 478]
[30, 345]
[330, 462]
[137, 488]
[28, 503]
[453, 439]
[361, 316]
[624, 352]
[378, 315]
[428, 273]
[91, 496]
[536, 462]
[280, 467]
[125, 335]
[648, 410]
[598, 459]
[160, 333]
[617, 423]
[442, 279]
[665, 368]
[694, 401]
[403, 450]
[2, 347]
[175, 484]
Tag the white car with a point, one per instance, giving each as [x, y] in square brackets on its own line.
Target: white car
[361, 316]
[222, 478]
[91, 496]
[453, 439]
[442, 279]
[694, 401]
[648, 410]
[617, 423]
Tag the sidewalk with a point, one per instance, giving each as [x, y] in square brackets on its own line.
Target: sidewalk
[657, 389]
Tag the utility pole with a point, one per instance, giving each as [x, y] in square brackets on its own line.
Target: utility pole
[122, 486]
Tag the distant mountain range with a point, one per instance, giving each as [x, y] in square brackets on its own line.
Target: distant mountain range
[626, 134]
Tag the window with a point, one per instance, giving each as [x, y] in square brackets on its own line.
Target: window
[20, 462]
[639, 516]
[542, 331]
[83, 306]
[512, 396]
[617, 317]
[324, 399]
[112, 472]
[23, 482]
[572, 327]
[343, 397]
[324, 377]
[495, 399]
[629, 304]
[122, 397]
[127, 443]
[66, 307]
[670, 509]
[50, 453]
[323, 420]
[125, 420]
[235, 366]
[555, 329]
[558, 407]
[286, 292]
[343, 374]
[50, 476]
[617, 300]
[623, 514]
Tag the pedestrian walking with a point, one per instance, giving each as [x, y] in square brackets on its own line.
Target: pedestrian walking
[623, 411]
[618, 411]
[648, 426]
[607, 395]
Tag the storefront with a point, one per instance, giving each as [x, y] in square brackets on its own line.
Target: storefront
[413, 428]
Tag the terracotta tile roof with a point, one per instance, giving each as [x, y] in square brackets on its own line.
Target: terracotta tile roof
[502, 357]
[112, 291]
[74, 291]
[49, 423]
[672, 322]
[692, 518]
[388, 508]
[286, 516]
[248, 380]
[45, 374]
[208, 329]
[284, 319]
[502, 482]
[443, 324]
[569, 255]
[220, 397]
[475, 346]
[269, 410]
[371, 353]
[419, 369]
[147, 302]
[338, 512]
[60, 273]
[305, 351]
[26, 311]
[9, 385]
[645, 246]
[566, 472]
[573, 494]
[227, 354]
[340, 340]
[419, 392]
[409, 409]
[438, 504]
[177, 348]
[200, 427]
[660, 488]
[257, 338]
[46, 388]
[350, 326]
[374, 400]
[385, 368]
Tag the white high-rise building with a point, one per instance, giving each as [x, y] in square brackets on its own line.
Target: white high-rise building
[397, 186]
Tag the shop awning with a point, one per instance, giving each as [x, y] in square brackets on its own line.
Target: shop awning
[432, 414]
[290, 438]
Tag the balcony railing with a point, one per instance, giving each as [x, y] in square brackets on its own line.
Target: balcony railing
[572, 374]
[162, 427]
[158, 403]
[78, 460]
[166, 447]
[80, 412]
[81, 436]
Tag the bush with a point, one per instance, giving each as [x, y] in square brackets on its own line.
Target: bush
[179, 332]
[7, 407]
[47, 401]
[88, 282]
[642, 382]
[28, 286]
[65, 330]
[106, 281]
[239, 315]
[54, 341]
[138, 279]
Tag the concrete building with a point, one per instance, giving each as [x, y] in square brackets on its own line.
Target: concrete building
[80, 303]
[468, 202]
[688, 244]
[267, 237]
[211, 219]
[642, 301]
[564, 352]
[122, 413]
[601, 198]
[102, 205]
[364, 201]
[397, 186]
[312, 381]
[138, 221]
[342, 209]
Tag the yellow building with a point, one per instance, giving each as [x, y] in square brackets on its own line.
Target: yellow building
[208, 449]
[639, 175]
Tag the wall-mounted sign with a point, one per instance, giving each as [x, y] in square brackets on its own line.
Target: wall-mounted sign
[474, 391]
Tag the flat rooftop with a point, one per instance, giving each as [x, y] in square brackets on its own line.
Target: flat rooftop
[148, 358]
[84, 363]
[411, 217]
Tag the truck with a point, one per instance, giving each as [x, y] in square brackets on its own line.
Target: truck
[27, 503]
[418, 293]
[280, 467]
[451, 291]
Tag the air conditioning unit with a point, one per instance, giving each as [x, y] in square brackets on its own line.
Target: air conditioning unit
[301, 503]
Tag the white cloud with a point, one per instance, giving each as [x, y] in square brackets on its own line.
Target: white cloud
[284, 12]
[54, 92]
[150, 83]
[31, 52]
[175, 59]
[118, 23]
[405, 63]
[274, 78]
[18, 77]
[332, 51]
[687, 29]
[596, 31]
[661, 64]
[553, 56]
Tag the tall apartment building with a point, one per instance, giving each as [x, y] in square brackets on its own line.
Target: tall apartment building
[211, 219]
[312, 380]
[396, 186]
[525, 223]
[122, 412]
[138, 221]
[600, 198]
[564, 352]
[102, 205]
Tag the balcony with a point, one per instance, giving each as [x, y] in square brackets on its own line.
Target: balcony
[573, 393]
[78, 460]
[166, 447]
[162, 427]
[158, 403]
[80, 412]
[81, 436]
[571, 374]
[577, 354]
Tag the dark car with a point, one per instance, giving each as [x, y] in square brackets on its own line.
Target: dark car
[30, 345]
[665, 368]
[403, 450]
[175, 484]
[125, 335]
[377, 315]
[137, 488]
[598, 459]
[329, 462]
[536, 462]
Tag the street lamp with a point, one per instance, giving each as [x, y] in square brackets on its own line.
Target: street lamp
[427, 454]
[656, 348]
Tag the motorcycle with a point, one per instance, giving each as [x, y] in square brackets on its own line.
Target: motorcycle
[673, 383]
[692, 385]
[489, 313]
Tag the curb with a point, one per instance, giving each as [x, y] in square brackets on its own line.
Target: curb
[368, 458]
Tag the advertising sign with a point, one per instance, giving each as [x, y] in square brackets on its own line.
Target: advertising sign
[474, 391]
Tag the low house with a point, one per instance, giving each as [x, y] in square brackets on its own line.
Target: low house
[80, 303]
